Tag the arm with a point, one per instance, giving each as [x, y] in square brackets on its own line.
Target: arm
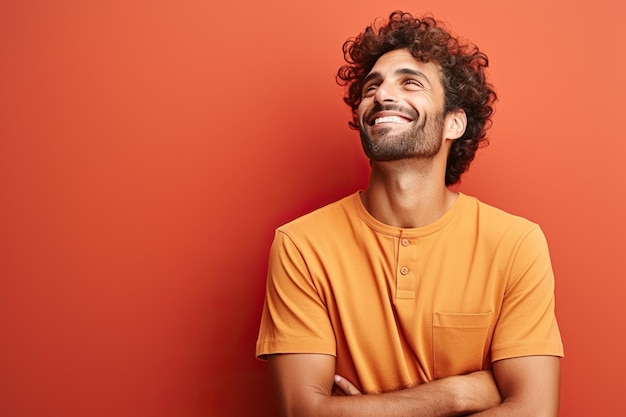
[304, 384]
[529, 386]
[527, 344]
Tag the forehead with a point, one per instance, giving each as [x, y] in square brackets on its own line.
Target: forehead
[394, 62]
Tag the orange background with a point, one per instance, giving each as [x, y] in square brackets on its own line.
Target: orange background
[148, 149]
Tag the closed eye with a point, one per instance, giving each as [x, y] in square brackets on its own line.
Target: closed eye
[414, 82]
[369, 90]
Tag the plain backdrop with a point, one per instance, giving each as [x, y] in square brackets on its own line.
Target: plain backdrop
[148, 150]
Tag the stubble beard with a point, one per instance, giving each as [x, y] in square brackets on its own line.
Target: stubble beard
[422, 141]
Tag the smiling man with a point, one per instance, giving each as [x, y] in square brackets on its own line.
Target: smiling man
[408, 298]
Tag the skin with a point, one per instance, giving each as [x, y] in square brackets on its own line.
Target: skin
[408, 148]
[529, 385]
[304, 383]
[408, 191]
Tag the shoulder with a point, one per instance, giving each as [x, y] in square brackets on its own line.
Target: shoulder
[330, 218]
[500, 229]
[494, 219]
[318, 236]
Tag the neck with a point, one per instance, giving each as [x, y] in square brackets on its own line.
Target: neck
[407, 196]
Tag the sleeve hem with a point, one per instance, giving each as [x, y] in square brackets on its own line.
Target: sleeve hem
[270, 347]
[514, 351]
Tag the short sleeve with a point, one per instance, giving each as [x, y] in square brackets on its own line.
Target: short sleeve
[294, 318]
[527, 324]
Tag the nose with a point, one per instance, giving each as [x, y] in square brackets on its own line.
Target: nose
[385, 93]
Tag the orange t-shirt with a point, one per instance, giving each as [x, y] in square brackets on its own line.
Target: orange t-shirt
[399, 307]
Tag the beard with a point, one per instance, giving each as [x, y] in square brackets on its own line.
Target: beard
[420, 140]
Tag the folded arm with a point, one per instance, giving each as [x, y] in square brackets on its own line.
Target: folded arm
[529, 386]
[304, 383]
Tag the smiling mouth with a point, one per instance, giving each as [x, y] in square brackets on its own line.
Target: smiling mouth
[389, 119]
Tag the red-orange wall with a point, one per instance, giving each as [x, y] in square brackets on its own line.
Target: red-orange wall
[149, 148]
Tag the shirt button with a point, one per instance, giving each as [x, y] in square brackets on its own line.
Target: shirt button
[405, 242]
[404, 270]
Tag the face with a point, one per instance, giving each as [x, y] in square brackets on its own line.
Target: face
[401, 110]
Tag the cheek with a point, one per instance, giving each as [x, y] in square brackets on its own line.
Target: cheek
[360, 111]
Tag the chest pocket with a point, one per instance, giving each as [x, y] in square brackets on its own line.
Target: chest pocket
[459, 342]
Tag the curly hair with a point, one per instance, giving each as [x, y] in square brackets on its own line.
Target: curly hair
[463, 76]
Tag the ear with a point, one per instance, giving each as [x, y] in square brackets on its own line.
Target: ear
[455, 123]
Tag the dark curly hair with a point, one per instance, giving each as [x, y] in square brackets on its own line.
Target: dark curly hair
[463, 76]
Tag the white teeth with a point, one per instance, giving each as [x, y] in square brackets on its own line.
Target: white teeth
[390, 119]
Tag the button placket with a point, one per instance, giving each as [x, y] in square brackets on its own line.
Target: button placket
[405, 276]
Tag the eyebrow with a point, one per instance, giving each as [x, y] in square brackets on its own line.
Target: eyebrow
[400, 71]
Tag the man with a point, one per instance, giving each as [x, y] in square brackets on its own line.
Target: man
[426, 301]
